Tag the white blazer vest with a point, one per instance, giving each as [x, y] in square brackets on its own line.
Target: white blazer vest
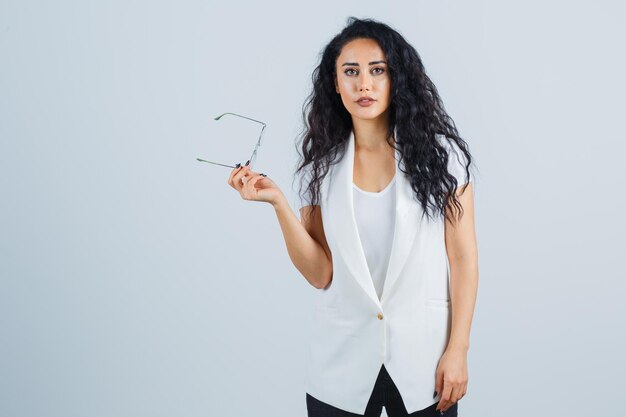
[353, 332]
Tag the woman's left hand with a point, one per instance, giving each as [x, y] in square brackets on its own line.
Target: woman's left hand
[451, 377]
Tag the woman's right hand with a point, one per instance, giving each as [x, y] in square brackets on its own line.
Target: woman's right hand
[255, 186]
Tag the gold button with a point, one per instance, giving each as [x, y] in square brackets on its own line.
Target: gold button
[380, 316]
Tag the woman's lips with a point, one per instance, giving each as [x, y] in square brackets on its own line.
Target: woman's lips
[365, 103]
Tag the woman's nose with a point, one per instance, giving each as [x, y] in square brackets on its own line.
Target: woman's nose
[365, 81]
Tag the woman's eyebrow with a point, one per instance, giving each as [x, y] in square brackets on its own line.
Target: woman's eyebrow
[371, 63]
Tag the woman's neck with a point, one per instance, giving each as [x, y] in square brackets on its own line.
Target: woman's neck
[370, 135]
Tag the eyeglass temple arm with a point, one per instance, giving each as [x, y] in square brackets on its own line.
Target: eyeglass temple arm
[239, 115]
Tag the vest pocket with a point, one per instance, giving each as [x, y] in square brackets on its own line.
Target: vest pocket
[327, 308]
[438, 302]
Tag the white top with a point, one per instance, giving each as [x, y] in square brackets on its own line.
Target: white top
[375, 218]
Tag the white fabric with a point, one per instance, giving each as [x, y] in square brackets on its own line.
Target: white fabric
[375, 216]
[456, 167]
[354, 330]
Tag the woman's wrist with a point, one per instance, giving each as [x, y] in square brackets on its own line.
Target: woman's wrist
[280, 203]
[458, 346]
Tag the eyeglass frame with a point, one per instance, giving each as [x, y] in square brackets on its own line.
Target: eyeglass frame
[256, 147]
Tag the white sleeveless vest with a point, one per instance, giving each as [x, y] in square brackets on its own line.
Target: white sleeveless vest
[353, 332]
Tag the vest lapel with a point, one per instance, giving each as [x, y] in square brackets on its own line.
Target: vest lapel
[342, 218]
[408, 214]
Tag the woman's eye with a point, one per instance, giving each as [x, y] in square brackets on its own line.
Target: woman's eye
[352, 71]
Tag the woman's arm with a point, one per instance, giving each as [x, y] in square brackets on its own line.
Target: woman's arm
[463, 257]
[306, 242]
[451, 377]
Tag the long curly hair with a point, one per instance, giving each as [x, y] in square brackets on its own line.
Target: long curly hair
[416, 114]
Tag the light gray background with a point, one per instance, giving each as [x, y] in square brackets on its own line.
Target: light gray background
[136, 282]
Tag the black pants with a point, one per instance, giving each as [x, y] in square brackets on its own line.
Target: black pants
[385, 394]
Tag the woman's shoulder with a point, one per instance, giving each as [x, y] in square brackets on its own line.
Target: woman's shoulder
[457, 161]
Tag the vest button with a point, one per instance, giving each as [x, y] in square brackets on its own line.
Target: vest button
[380, 316]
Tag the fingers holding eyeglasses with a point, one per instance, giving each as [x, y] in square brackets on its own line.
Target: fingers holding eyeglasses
[235, 176]
[240, 175]
[253, 185]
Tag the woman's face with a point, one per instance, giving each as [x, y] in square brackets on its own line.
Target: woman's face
[362, 71]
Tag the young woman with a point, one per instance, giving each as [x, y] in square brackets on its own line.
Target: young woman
[386, 232]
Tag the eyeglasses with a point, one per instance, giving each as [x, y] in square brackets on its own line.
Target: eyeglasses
[256, 147]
